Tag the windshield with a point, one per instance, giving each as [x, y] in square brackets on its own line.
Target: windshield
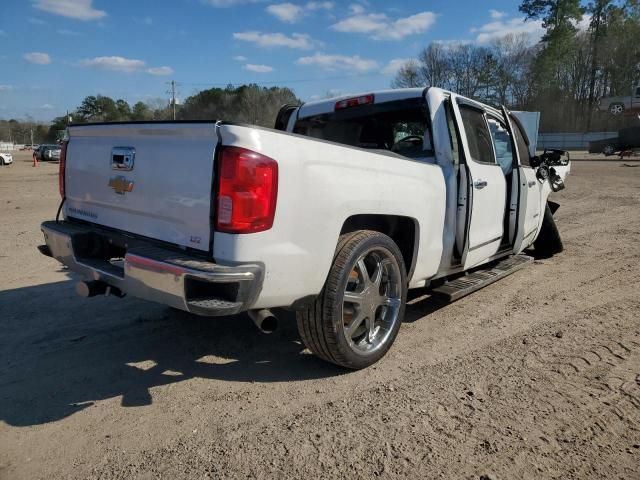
[400, 126]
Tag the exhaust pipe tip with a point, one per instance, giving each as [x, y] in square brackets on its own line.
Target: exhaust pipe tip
[91, 289]
[264, 319]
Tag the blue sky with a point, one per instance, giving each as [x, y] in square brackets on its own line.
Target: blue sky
[53, 53]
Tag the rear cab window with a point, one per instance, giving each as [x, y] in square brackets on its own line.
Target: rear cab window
[400, 126]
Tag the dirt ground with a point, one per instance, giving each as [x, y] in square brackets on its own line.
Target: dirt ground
[536, 376]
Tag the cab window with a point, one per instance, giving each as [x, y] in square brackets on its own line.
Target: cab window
[501, 144]
[401, 127]
[478, 136]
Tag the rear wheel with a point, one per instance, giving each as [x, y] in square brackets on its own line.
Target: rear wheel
[356, 318]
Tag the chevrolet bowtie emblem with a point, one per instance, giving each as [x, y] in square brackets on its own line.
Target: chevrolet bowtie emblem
[121, 185]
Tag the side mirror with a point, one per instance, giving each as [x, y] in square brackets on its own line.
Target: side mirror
[542, 173]
[555, 180]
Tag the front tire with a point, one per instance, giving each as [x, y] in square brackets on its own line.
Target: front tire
[548, 242]
[356, 318]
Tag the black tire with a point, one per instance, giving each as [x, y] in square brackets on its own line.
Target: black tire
[322, 324]
[548, 242]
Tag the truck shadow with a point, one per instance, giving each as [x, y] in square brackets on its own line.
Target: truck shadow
[59, 353]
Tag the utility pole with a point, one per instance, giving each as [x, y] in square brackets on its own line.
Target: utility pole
[31, 131]
[172, 92]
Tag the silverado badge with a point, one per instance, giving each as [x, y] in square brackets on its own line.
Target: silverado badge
[121, 185]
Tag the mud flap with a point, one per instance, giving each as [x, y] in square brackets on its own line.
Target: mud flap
[548, 242]
[553, 206]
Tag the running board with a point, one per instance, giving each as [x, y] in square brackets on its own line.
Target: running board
[459, 287]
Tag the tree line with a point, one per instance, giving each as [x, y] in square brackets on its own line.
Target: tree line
[244, 104]
[563, 76]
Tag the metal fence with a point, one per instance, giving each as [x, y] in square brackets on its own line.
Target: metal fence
[571, 141]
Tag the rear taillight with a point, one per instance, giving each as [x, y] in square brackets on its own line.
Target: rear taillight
[63, 161]
[247, 191]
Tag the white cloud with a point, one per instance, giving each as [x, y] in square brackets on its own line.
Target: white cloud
[291, 13]
[124, 65]
[584, 23]
[394, 65]
[381, 27]
[286, 12]
[6, 88]
[114, 63]
[339, 62]
[319, 5]
[497, 14]
[160, 70]
[240, 58]
[78, 9]
[38, 58]
[35, 21]
[47, 106]
[297, 40]
[258, 68]
[515, 26]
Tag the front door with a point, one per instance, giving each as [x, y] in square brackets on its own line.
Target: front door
[529, 189]
[485, 188]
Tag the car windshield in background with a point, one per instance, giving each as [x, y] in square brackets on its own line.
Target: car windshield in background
[401, 127]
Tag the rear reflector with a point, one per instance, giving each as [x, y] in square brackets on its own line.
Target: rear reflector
[62, 167]
[354, 102]
[247, 191]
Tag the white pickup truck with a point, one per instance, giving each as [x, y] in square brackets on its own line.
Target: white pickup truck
[335, 213]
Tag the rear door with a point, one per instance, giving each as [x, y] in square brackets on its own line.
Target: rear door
[528, 187]
[153, 179]
[486, 188]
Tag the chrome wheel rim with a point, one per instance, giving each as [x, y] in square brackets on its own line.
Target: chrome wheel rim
[616, 109]
[371, 301]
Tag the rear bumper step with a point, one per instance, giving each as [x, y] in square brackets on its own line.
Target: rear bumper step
[153, 273]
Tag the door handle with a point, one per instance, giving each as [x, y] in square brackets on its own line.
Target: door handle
[531, 183]
[480, 184]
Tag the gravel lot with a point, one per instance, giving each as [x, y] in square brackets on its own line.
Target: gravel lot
[536, 376]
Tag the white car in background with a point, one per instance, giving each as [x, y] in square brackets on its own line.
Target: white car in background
[5, 158]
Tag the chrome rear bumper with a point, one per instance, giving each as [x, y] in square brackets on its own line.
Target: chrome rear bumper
[153, 273]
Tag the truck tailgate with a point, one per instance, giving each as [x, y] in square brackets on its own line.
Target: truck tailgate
[152, 179]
